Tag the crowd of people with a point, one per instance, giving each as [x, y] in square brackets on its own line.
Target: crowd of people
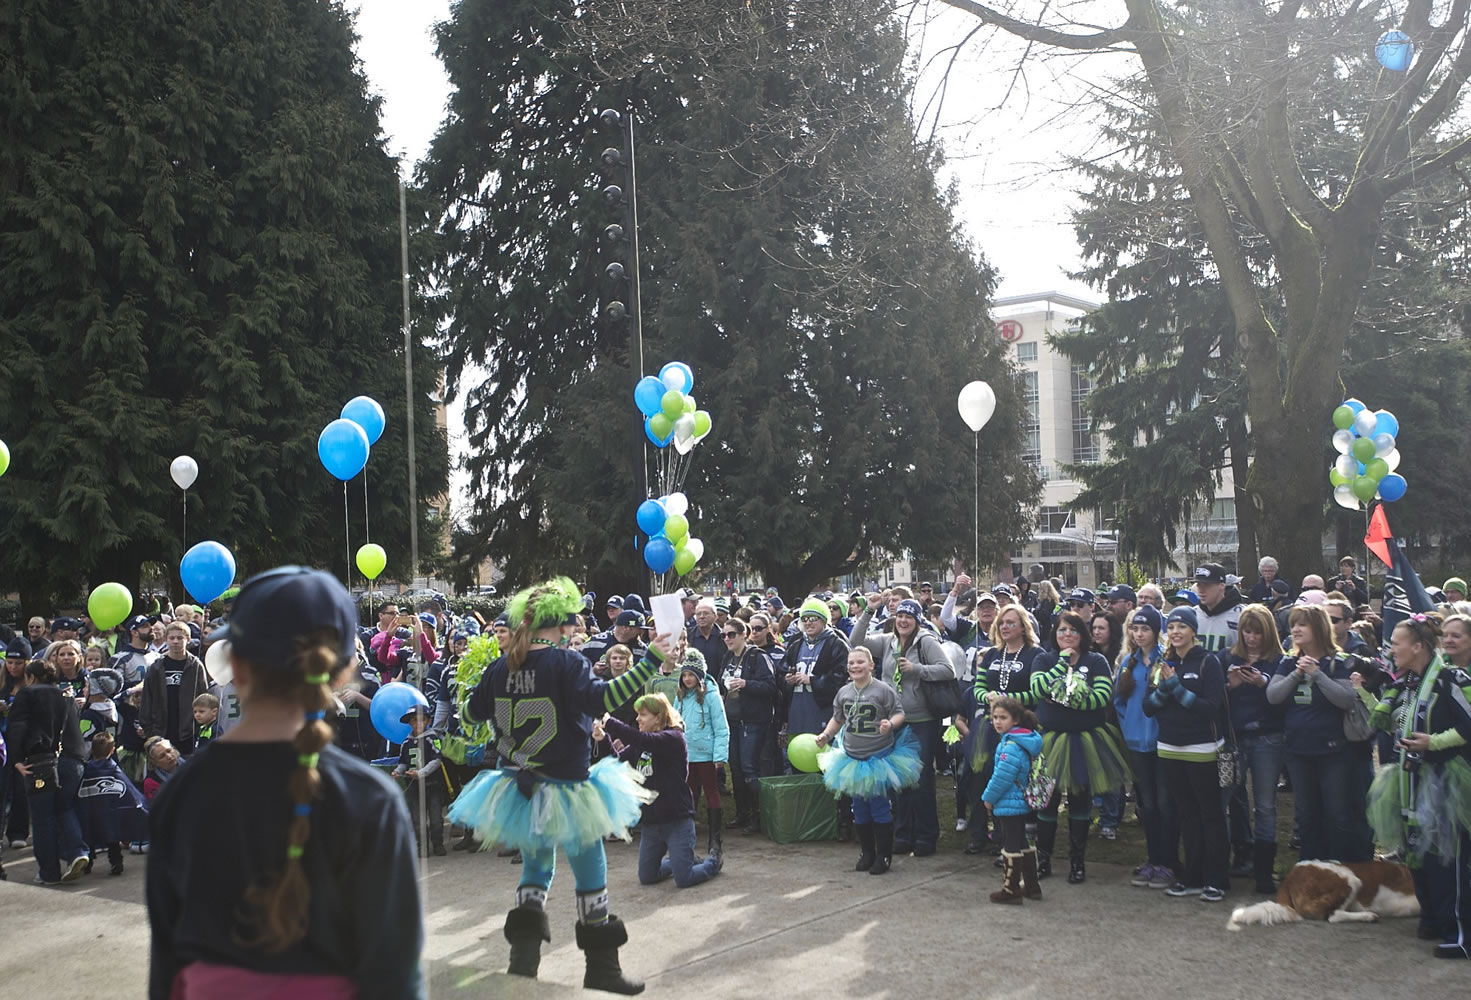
[1198, 707]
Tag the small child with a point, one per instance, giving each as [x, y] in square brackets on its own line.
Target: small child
[420, 759]
[206, 714]
[1005, 797]
[875, 755]
[132, 753]
[110, 807]
[101, 714]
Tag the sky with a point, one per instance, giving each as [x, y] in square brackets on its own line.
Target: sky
[1004, 133]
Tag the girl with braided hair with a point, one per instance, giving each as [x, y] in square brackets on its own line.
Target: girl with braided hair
[541, 700]
[275, 856]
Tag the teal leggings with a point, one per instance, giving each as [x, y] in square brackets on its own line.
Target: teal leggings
[589, 867]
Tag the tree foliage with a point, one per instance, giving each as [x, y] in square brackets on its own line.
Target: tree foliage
[797, 254]
[199, 255]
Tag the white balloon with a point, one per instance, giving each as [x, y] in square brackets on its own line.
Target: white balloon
[1383, 444]
[976, 404]
[1343, 441]
[1365, 423]
[184, 470]
[676, 503]
[696, 546]
[1347, 466]
[684, 443]
[1392, 459]
[1344, 497]
[217, 662]
[673, 378]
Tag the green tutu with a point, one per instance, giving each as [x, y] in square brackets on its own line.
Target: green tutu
[1434, 821]
[1094, 760]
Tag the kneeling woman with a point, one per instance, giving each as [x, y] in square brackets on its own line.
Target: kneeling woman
[656, 748]
[542, 699]
[876, 756]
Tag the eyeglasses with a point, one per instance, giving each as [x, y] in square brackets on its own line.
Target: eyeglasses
[1336, 620]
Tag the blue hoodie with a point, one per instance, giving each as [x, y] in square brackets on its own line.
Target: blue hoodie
[1141, 731]
[1006, 791]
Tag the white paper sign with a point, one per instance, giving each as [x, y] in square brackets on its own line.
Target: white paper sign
[668, 614]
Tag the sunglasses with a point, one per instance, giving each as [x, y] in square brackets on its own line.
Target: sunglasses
[1336, 620]
[755, 628]
[730, 635]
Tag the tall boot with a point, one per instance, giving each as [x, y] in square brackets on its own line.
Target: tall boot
[1011, 886]
[845, 819]
[600, 944]
[1078, 846]
[1264, 858]
[1031, 887]
[1245, 863]
[753, 825]
[868, 852]
[883, 848]
[1046, 841]
[742, 795]
[715, 846]
[526, 929]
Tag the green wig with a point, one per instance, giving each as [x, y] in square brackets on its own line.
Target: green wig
[545, 604]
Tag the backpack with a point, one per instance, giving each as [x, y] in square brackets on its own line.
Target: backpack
[1040, 785]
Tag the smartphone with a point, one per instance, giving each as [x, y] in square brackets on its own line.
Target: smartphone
[406, 620]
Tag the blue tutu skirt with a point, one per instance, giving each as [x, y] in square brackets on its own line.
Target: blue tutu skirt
[572, 815]
[894, 769]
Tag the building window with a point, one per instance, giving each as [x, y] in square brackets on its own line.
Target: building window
[1085, 443]
[1051, 520]
[1032, 430]
[1053, 549]
[1027, 351]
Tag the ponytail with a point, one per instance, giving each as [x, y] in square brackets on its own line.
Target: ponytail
[278, 908]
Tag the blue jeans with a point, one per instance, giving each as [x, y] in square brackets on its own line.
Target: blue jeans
[56, 833]
[753, 745]
[917, 817]
[1320, 788]
[677, 839]
[874, 810]
[1263, 752]
[1111, 808]
[1155, 808]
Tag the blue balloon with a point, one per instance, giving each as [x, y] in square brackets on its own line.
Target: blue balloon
[343, 448]
[659, 555]
[651, 517]
[657, 442]
[1386, 423]
[1392, 487]
[1353, 404]
[648, 395]
[367, 414]
[686, 377]
[1362, 468]
[207, 570]
[1394, 50]
[389, 705]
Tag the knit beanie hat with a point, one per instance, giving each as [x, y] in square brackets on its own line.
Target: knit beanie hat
[694, 662]
[1148, 615]
[815, 607]
[1186, 615]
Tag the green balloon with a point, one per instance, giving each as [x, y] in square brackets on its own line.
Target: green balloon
[689, 404]
[1362, 449]
[371, 560]
[676, 529]
[684, 561]
[4, 457]
[1337, 478]
[1376, 469]
[673, 405]
[1364, 488]
[109, 605]
[1343, 418]
[702, 423]
[661, 426]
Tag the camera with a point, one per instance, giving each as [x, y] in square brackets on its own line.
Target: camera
[1371, 670]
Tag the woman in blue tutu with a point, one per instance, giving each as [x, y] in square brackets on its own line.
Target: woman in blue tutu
[875, 756]
[541, 700]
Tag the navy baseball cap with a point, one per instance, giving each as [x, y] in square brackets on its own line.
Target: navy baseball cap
[614, 602]
[276, 608]
[1123, 592]
[1080, 595]
[630, 619]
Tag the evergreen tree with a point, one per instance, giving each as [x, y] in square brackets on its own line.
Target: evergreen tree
[797, 255]
[200, 256]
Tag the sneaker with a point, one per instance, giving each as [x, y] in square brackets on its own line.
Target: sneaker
[1181, 889]
[75, 869]
[138, 847]
[1141, 876]
[1210, 894]
[38, 880]
[960, 825]
[1108, 833]
[1161, 877]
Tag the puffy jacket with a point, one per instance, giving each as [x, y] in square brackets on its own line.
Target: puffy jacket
[1007, 787]
[706, 733]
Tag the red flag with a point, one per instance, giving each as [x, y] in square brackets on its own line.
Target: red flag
[1377, 534]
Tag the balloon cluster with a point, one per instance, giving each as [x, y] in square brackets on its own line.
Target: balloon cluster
[1367, 456]
[670, 544]
[670, 414]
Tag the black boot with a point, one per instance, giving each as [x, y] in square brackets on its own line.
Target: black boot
[742, 795]
[845, 819]
[1077, 846]
[526, 929]
[754, 824]
[1264, 859]
[1046, 841]
[867, 851]
[115, 858]
[883, 848]
[600, 944]
[1245, 863]
[714, 846]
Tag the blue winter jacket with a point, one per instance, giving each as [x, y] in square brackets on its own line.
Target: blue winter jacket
[1141, 732]
[1006, 789]
[706, 734]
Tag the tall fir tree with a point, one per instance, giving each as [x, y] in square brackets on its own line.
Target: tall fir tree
[200, 255]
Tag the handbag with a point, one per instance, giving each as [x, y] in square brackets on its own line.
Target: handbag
[944, 698]
[1356, 727]
[1230, 766]
[1040, 784]
[43, 772]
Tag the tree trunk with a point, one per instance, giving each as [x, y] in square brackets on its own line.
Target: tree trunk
[1239, 449]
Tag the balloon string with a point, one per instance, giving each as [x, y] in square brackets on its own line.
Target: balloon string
[367, 537]
[976, 568]
[346, 539]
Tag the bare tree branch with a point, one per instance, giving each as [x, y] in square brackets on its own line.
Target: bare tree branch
[1107, 38]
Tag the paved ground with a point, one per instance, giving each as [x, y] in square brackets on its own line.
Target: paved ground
[794, 922]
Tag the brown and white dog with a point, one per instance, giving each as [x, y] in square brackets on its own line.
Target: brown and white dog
[1356, 891]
